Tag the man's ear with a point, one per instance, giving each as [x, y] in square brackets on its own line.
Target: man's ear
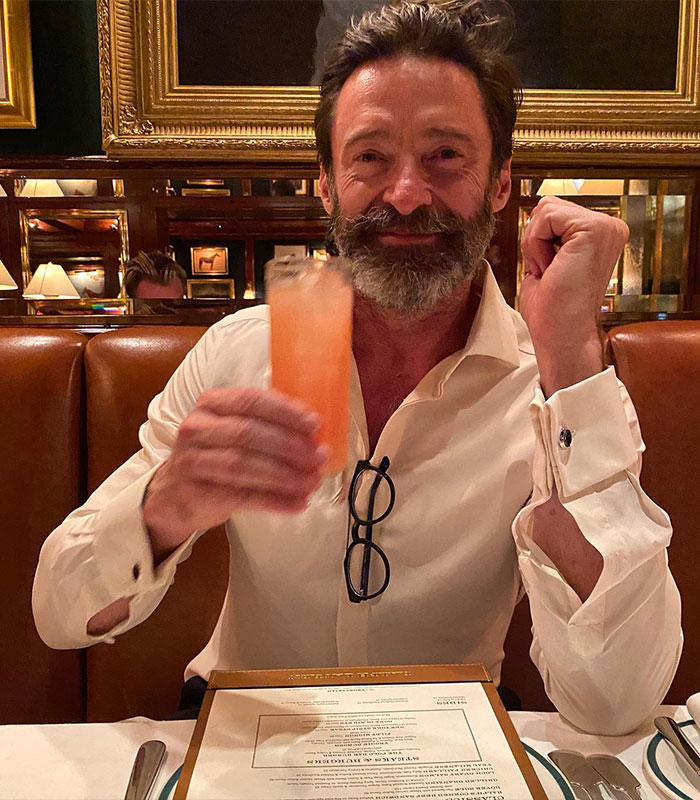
[500, 191]
[326, 198]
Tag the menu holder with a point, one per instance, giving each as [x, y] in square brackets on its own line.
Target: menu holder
[418, 731]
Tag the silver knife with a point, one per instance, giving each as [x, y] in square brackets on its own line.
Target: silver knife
[585, 781]
[680, 743]
[617, 775]
[143, 773]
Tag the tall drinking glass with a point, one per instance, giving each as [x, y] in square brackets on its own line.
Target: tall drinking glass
[311, 335]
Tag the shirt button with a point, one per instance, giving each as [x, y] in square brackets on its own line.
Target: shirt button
[136, 571]
[565, 437]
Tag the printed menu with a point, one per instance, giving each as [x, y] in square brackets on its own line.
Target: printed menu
[377, 733]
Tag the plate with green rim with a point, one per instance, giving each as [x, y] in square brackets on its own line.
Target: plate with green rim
[666, 772]
[169, 789]
[553, 782]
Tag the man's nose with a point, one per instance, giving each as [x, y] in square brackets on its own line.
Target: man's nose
[408, 189]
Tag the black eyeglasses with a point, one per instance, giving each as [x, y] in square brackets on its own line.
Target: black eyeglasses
[366, 565]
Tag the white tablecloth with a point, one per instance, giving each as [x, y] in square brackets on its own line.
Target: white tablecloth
[93, 762]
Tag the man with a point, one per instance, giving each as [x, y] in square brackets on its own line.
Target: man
[414, 131]
[154, 275]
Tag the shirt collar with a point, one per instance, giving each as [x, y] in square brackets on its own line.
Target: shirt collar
[493, 332]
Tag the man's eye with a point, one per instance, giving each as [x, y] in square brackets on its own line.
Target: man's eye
[447, 153]
[367, 158]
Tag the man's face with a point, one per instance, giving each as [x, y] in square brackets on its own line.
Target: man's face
[148, 290]
[411, 199]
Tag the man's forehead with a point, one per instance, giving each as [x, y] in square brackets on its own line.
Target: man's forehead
[435, 93]
[393, 71]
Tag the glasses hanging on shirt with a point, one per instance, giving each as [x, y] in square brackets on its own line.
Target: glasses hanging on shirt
[366, 565]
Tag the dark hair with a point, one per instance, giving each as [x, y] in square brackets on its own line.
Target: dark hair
[462, 31]
[154, 266]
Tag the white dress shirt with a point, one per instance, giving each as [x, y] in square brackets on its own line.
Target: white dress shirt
[474, 449]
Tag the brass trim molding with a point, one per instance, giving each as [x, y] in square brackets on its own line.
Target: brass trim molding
[17, 110]
[147, 113]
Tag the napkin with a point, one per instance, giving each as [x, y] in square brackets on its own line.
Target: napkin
[82, 762]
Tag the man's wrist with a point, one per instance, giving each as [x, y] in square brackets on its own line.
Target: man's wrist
[566, 360]
[165, 531]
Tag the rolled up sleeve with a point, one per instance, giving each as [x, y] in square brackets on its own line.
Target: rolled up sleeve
[608, 661]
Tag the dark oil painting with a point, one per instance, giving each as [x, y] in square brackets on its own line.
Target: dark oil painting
[559, 44]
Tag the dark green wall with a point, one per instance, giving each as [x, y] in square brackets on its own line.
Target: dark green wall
[66, 82]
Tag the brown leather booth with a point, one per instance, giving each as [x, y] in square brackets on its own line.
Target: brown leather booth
[141, 673]
[43, 465]
[659, 363]
[41, 477]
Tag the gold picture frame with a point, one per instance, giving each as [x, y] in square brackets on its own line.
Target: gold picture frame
[209, 260]
[290, 251]
[204, 192]
[17, 109]
[210, 289]
[147, 113]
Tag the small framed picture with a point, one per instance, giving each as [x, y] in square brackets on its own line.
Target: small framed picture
[291, 251]
[317, 188]
[320, 254]
[199, 191]
[208, 260]
[216, 288]
[205, 181]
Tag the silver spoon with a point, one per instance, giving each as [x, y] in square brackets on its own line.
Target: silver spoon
[143, 773]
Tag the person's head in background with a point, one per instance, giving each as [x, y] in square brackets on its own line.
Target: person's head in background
[154, 275]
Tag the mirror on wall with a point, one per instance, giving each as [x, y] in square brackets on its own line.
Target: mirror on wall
[221, 224]
[91, 245]
[652, 273]
[61, 186]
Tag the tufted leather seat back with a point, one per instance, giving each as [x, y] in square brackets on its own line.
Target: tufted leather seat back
[659, 363]
[41, 477]
[142, 673]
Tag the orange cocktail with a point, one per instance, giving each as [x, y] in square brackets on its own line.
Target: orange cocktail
[311, 330]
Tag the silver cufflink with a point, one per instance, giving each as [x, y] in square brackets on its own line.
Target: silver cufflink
[565, 438]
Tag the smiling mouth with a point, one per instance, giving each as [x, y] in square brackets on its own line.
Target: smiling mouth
[400, 238]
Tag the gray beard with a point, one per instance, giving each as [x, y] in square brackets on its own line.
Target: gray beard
[413, 280]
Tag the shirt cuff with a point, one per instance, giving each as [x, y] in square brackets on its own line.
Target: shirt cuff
[585, 433]
[123, 551]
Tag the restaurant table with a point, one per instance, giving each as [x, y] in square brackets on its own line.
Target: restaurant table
[93, 761]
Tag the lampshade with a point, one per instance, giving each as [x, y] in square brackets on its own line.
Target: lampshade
[50, 280]
[41, 187]
[6, 281]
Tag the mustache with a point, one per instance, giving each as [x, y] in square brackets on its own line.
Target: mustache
[423, 220]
